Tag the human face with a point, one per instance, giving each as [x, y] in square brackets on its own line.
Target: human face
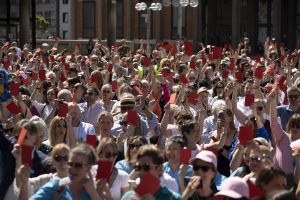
[276, 184]
[90, 96]
[51, 95]
[124, 109]
[108, 153]
[134, 146]
[78, 167]
[31, 138]
[173, 152]
[248, 88]
[204, 169]
[145, 88]
[293, 97]
[294, 132]
[259, 108]
[203, 97]
[255, 161]
[105, 124]
[219, 89]
[78, 91]
[61, 128]
[145, 164]
[60, 161]
[106, 93]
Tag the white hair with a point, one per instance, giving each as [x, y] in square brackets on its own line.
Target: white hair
[41, 125]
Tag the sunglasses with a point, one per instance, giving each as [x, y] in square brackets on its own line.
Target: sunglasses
[144, 167]
[109, 155]
[76, 165]
[132, 146]
[192, 78]
[6, 130]
[260, 108]
[254, 159]
[293, 96]
[90, 93]
[123, 123]
[106, 91]
[125, 108]
[59, 158]
[203, 168]
[61, 126]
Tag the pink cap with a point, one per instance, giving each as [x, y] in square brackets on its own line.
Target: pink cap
[206, 156]
[234, 187]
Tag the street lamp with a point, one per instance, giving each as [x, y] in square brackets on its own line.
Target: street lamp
[143, 6]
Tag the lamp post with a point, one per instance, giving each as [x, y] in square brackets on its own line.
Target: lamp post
[142, 7]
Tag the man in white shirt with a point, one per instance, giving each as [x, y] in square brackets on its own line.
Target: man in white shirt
[81, 129]
[91, 108]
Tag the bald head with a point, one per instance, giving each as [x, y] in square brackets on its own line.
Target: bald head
[65, 95]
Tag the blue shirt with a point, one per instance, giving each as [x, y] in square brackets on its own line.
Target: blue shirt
[175, 174]
[285, 112]
[49, 189]
[124, 166]
[162, 194]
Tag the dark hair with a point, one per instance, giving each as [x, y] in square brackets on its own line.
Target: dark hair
[152, 152]
[267, 174]
[94, 89]
[129, 141]
[281, 195]
[87, 151]
[214, 93]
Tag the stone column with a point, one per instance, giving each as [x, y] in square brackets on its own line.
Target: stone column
[112, 23]
[24, 22]
[236, 22]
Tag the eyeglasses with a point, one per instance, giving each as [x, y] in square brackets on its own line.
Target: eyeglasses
[61, 126]
[260, 108]
[6, 130]
[254, 159]
[125, 108]
[109, 155]
[76, 165]
[106, 91]
[293, 96]
[203, 168]
[123, 123]
[192, 78]
[90, 93]
[144, 167]
[59, 158]
[132, 146]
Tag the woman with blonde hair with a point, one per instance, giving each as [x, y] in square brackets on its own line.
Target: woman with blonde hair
[104, 125]
[60, 131]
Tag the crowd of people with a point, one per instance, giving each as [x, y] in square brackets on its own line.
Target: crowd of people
[170, 123]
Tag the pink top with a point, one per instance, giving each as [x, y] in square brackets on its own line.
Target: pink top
[283, 156]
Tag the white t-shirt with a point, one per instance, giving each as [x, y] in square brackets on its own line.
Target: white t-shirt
[82, 130]
[121, 181]
[43, 109]
[169, 182]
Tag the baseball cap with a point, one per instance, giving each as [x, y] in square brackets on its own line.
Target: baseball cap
[202, 89]
[206, 156]
[234, 187]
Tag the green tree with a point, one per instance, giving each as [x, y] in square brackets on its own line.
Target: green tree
[41, 22]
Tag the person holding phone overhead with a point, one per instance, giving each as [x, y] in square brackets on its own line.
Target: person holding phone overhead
[201, 185]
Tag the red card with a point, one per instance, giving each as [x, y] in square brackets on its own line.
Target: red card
[104, 169]
[185, 155]
[239, 76]
[137, 90]
[51, 58]
[26, 155]
[167, 46]
[13, 108]
[213, 149]
[183, 79]
[91, 140]
[22, 136]
[295, 145]
[67, 66]
[280, 80]
[193, 98]
[188, 48]
[217, 53]
[219, 197]
[114, 85]
[173, 49]
[6, 64]
[232, 64]
[255, 191]
[256, 58]
[149, 185]
[109, 68]
[42, 74]
[192, 64]
[147, 61]
[164, 72]
[14, 89]
[173, 98]
[281, 58]
[259, 73]
[94, 78]
[63, 109]
[245, 134]
[62, 78]
[25, 81]
[34, 76]
[225, 74]
[132, 117]
[249, 99]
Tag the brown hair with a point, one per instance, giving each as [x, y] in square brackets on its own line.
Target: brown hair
[152, 152]
[52, 128]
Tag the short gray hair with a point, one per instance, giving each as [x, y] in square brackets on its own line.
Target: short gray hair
[40, 125]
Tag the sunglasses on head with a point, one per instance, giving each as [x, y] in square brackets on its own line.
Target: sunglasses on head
[203, 168]
[76, 165]
[132, 146]
[254, 159]
[293, 96]
[109, 155]
[59, 158]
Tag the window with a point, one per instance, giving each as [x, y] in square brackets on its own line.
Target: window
[88, 19]
[65, 17]
[65, 1]
[65, 35]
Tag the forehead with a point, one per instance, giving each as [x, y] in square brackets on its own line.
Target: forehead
[145, 159]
